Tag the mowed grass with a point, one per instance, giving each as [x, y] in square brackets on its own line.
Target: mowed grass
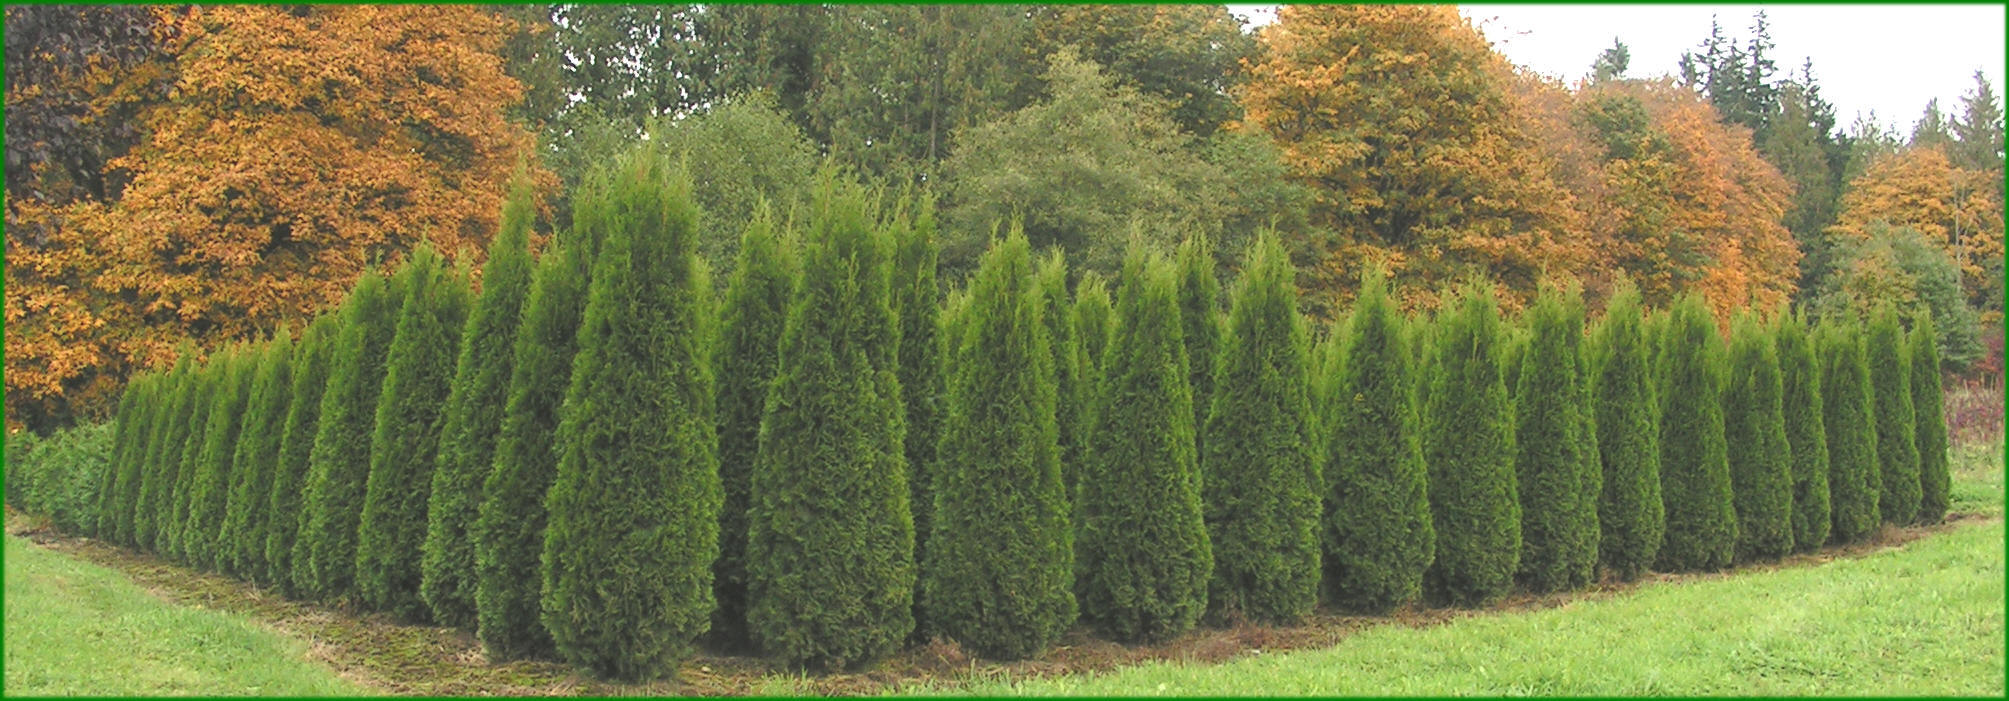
[75, 628]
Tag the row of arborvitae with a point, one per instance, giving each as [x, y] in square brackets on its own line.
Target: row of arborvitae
[595, 460]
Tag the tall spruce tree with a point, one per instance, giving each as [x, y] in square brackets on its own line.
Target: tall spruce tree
[1091, 319]
[1262, 494]
[1927, 396]
[1559, 526]
[1754, 432]
[633, 510]
[830, 541]
[474, 405]
[1896, 418]
[1378, 536]
[1631, 518]
[1694, 462]
[1854, 486]
[167, 433]
[1468, 443]
[241, 540]
[1142, 557]
[1200, 319]
[311, 359]
[997, 575]
[1806, 433]
[916, 302]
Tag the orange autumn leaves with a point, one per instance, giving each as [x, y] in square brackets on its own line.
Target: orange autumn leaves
[1959, 208]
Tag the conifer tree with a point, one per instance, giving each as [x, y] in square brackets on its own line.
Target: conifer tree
[633, 510]
[167, 433]
[1806, 433]
[1854, 486]
[1468, 444]
[1935, 480]
[997, 575]
[1142, 557]
[1558, 513]
[215, 468]
[916, 302]
[1378, 538]
[1631, 518]
[241, 541]
[1057, 311]
[1090, 317]
[311, 359]
[475, 401]
[1896, 419]
[830, 541]
[121, 498]
[1754, 431]
[1694, 463]
[1200, 318]
[126, 422]
[209, 383]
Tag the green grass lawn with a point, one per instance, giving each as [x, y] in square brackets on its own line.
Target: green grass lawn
[78, 628]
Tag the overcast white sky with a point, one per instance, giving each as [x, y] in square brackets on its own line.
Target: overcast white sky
[1887, 58]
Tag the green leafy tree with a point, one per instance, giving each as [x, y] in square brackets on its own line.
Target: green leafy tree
[1899, 266]
[1854, 486]
[1631, 518]
[1754, 432]
[1927, 396]
[1559, 526]
[1694, 462]
[241, 539]
[1468, 442]
[311, 360]
[1806, 432]
[1896, 419]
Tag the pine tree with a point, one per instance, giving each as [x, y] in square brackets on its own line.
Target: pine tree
[1559, 523]
[474, 405]
[241, 541]
[997, 575]
[209, 383]
[1754, 431]
[1468, 443]
[830, 541]
[633, 510]
[1806, 433]
[1896, 419]
[1694, 463]
[1142, 557]
[1090, 317]
[916, 302]
[311, 359]
[331, 505]
[1927, 395]
[1854, 486]
[1378, 536]
[150, 503]
[1631, 518]
[1200, 319]
[756, 308]
[1263, 492]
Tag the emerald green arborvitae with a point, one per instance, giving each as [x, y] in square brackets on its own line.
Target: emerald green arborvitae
[1853, 483]
[1754, 430]
[210, 382]
[756, 309]
[1200, 321]
[338, 468]
[997, 575]
[509, 529]
[1378, 535]
[404, 445]
[475, 400]
[1935, 481]
[633, 510]
[311, 358]
[1631, 518]
[1514, 341]
[1090, 317]
[216, 470]
[1142, 557]
[1559, 526]
[1896, 419]
[1262, 493]
[121, 495]
[1806, 433]
[177, 389]
[125, 423]
[1058, 312]
[830, 537]
[917, 302]
[241, 541]
[1694, 463]
[1468, 443]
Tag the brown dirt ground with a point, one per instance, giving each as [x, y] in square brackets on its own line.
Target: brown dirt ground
[381, 654]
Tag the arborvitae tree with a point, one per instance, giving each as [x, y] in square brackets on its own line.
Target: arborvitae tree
[997, 575]
[121, 495]
[1806, 433]
[1514, 341]
[1558, 514]
[633, 510]
[311, 359]
[1853, 483]
[1896, 419]
[830, 540]
[163, 446]
[1090, 317]
[1262, 494]
[331, 507]
[1754, 431]
[126, 422]
[1200, 321]
[474, 405]
[1935, 481]
[215, 471]
[1142, 557]
[241, 541]
[404, 446]
[509, 530]
[916, 302]
[1378, 536]
[756, 309]
[210, 381]
[1057, 311]
[1631, 518]
[1468, 444]
[1694, 464]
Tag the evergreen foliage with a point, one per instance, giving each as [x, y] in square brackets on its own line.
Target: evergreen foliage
[917, 302]
[241, 539]
[1631, 518]
[1057, 310]
[1694, 463]
[1896, 419]
[125, 423]
[1754, 432]
[215, 468]
[116, 510]
[1927, 395]
[1559, 526]
[1806, 433]
[1854, 487]
[1468, 444]
[209, 379]
[1091, 317]
[311, 360]
[1200, 319]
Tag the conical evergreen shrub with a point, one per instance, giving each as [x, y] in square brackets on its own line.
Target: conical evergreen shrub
[136, 423]
[311, 360]
[1854, 485]
[1896, 419]
[916, 303]
[1378, 537]
[1694, 462]
[216, 469]
[1631, 518]
[163, 448]
[1559, 526]
[477, 396]
[241, 540]
[1142, 557]
[1093, 327]
[1927, 397]
[1200, 319]
[125, 422]
[1754, 430]
[1058, 312]
[830, 542]
[211, 380]
[997, 575]
[1468, 444]
[1806, 433]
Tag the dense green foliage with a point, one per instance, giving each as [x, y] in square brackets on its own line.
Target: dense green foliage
[117, 504]
[1935, 478]
[1631, 518]
[311, 360]
[180, 480]
[1854, 486]
[1093, 324]
[1754, 433]
[1468, 444]
[916, 302]
[1896, 439]
[210, 489]
[1694, 462]
[1806, 432]
[59, 476]
[1057, 311]
[1557, 490]
[241, 539]
[1200, 319]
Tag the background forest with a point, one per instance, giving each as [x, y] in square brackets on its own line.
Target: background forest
[211, 173]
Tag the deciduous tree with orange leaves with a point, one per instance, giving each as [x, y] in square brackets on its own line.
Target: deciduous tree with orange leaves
[1957, 208]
